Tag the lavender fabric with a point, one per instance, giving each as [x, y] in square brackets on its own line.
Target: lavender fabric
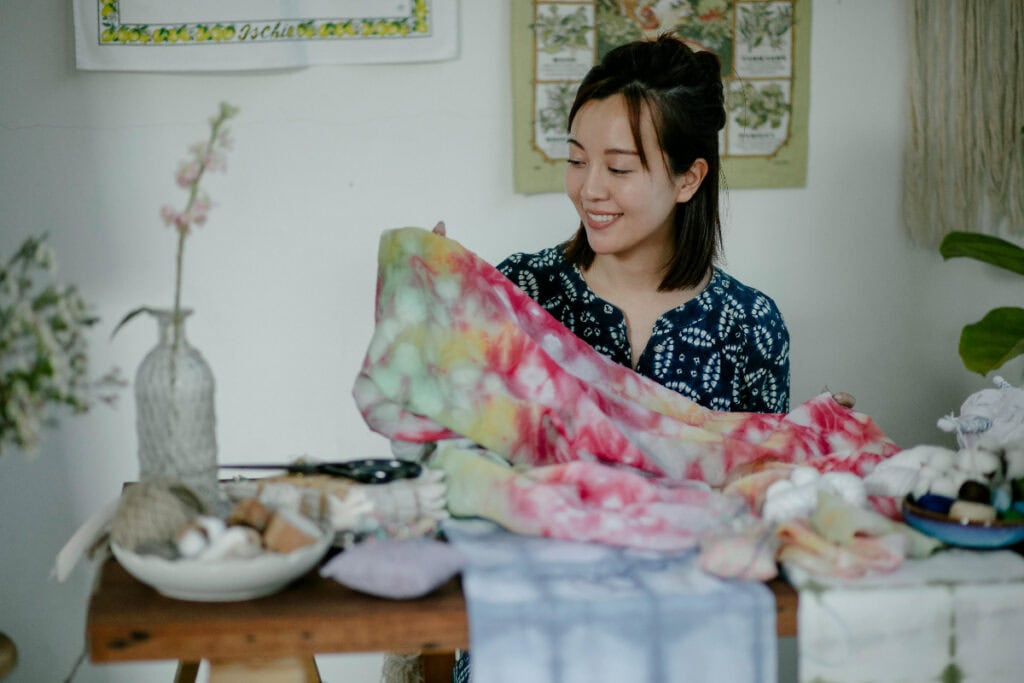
[551, 611]
[395, 568]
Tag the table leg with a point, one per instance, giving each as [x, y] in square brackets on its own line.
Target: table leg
[282, 670]
[187, 672]
[437, 668]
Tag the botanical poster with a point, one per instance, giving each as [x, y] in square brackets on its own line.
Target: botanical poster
[204, 35]
[763, 46]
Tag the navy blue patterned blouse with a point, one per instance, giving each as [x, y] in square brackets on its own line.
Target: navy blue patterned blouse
[727, 348]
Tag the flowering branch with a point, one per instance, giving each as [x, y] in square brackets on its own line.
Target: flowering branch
[206, 156]
[43, 349]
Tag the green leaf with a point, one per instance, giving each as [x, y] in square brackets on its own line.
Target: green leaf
[991, 250]
[131, 314]
[994, 340]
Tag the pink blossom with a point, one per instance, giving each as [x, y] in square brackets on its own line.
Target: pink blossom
[188, 173]
[168, 215]
[198, 212]
[215, 161]
[180, 221]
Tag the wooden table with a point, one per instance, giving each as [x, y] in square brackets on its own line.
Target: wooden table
[128, 621]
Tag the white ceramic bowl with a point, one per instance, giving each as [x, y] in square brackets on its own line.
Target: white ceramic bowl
[223, 580]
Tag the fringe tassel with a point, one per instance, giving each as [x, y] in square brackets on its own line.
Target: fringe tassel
[964, 156]
[400, 668]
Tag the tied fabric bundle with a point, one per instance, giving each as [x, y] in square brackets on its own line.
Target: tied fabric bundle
[460, 352]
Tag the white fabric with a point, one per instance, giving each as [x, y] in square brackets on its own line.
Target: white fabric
[955, 616]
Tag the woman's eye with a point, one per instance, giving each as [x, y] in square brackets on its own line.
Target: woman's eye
[575, 162]
[619, 171]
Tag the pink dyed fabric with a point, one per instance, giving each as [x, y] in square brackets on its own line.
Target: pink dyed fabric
[459, 351]
[584, 501]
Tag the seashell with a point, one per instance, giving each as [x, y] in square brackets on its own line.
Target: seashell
[149, 513]
[190, 540]
[196, 536]
[233, 542]
[844, 399]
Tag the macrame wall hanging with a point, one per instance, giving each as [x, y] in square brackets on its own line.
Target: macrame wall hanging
[964, 156]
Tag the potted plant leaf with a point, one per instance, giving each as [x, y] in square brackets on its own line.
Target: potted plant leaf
[998, 337]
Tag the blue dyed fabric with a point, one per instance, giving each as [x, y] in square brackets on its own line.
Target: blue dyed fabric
[727, 348]
[549, 611]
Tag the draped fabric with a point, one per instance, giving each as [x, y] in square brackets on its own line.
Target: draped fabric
[460, 352]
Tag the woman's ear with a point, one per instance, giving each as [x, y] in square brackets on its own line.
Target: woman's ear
[689, 182]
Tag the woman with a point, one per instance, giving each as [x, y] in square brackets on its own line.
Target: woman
[638, 280]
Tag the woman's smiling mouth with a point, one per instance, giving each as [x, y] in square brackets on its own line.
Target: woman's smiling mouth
[600, 220]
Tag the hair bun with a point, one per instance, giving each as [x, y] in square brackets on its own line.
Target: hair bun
[709, 64]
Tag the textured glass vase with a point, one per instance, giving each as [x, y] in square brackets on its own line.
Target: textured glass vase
[174, 412]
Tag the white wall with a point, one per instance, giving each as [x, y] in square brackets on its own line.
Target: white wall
[282, 278]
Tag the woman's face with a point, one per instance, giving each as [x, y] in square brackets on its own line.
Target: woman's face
[626, 209]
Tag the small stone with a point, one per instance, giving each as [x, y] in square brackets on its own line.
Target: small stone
[974, 491]
[968, 511]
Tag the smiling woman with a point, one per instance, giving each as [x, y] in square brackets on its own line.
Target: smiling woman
[638, 280]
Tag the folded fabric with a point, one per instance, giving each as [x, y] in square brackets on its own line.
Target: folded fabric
[954, 616]
[584, 501]
[459, 351]
[842, 540]
[549, 611]
[394, 568]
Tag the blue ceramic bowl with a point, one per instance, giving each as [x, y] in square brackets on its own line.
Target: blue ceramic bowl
[979, 535]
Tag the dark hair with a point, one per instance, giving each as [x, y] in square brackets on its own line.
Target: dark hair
[682, 89]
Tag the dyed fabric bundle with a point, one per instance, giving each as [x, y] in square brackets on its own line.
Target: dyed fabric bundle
[460, 352]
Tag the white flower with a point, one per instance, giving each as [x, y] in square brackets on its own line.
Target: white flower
[43, 351]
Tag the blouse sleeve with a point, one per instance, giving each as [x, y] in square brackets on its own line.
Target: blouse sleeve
[766, 376]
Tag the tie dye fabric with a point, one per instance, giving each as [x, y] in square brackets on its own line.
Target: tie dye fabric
[460, 352]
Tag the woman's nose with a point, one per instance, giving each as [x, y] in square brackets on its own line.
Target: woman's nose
[594, 186]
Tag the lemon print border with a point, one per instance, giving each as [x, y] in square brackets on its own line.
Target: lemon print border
[112, 31]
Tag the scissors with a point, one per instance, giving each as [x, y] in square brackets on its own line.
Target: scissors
[366, 471]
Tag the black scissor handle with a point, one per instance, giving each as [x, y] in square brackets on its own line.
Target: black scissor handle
[366, 471]
[373, 470]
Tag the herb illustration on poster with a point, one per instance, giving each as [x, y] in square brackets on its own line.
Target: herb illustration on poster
[204, 35]
[764, 47]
